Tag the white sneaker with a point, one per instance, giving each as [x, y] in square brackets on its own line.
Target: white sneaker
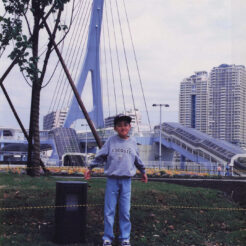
[125, 243]
[107, 243]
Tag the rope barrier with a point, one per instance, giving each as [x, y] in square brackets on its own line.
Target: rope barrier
[49, 207]
[165, 207]
[188, 207]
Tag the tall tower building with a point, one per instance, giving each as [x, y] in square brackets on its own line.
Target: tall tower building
[193, 101]
[134, 114]
[54, 119]
[227, 103]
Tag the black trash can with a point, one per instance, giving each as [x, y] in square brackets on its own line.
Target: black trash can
[70, 219]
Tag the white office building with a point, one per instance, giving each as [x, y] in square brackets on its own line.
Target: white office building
[54, 119]
[193, 101]
[227, 113]
[134, 114]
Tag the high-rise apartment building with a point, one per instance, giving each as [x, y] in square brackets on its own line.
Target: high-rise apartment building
[54, 119]
[193, 101]
[227, 103]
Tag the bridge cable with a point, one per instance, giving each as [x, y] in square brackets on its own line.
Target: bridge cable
[117, 55]
[80, 56]
[70, 59]
[111, 61]
[127, 66]
[106, 69]
[57, 88]
[73, 42]
[135, 56]
[83, 40]
[71, 22]
[61, 76]
[72, 18]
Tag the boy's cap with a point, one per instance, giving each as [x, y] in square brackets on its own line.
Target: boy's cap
[122, 117]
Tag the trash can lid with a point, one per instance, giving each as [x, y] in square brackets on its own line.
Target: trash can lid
[71, 182]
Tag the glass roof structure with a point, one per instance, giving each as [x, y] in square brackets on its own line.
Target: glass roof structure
[218, 147]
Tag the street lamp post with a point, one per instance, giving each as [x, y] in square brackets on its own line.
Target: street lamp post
[85, 143]
[160, 105]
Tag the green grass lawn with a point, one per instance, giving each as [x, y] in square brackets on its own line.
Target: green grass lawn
[161, 214]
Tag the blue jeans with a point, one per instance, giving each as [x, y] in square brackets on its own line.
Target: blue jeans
[117, 188]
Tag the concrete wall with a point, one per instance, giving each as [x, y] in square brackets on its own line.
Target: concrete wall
[151, 152]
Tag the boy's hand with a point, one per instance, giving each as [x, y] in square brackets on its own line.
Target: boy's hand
[144, 178]
[87, 174]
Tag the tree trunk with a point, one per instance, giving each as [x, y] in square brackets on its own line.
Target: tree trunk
[33, 165]
[34, 142]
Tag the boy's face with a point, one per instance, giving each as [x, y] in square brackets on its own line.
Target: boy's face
[122, 128]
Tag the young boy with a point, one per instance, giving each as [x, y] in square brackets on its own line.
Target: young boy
[122, 158]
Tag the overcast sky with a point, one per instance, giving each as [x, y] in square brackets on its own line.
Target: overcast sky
[173, 39]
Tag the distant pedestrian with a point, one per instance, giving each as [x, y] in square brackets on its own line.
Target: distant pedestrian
[227, 170]
[122, 158]
[219, 169]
